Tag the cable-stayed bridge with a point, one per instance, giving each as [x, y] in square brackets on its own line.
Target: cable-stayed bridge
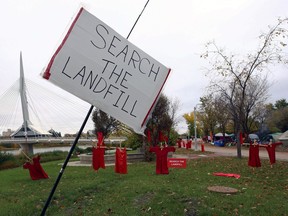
[30, 111]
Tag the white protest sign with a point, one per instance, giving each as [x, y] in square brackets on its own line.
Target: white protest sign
[100, 66]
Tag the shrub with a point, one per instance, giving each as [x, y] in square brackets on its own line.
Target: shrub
[5, 157]
[133, 141]
[8, 161]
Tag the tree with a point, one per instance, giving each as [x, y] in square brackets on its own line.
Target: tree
[278, 117]
[215, 115]
[189, 117]
[160, 120]
[222, 114]
[174, 105]
[104, 123]
[208, 116]
[282, 103]
[163, 118]
[243, 82]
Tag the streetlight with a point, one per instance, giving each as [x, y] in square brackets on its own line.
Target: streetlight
[195, 128]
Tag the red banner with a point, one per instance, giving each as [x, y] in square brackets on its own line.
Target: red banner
[176, 162]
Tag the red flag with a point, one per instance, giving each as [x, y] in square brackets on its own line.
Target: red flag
[211, 136]
[241, 138]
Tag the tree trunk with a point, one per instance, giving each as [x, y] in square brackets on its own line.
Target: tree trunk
[239, 155]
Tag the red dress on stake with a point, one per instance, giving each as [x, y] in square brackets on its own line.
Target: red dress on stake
[254, 159]
[271, 153]
[189, 144]
[35, 169]
[148, 136]
[161, 137]
[100, 138]
[183, 144]
[161, 158]
[179, 141]
[98, 158]
[98, 153]
[121, 161]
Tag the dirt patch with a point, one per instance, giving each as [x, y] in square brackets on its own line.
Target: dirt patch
[143, 199]
[190, 209]
[222, 189]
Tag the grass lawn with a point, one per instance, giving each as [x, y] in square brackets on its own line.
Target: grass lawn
[82, 191]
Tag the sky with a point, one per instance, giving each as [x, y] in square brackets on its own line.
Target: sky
[172, 32]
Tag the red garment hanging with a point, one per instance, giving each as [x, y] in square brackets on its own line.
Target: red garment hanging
[183, 144]
[179, 141]
[161, 137]
[254, 159]
[241, 138]
[165, 139]
[189, 144]
[98, 158]
[161, 158]
[271, 153]
[149, 139]
[35, 169]
[121, 161]
[100, 138]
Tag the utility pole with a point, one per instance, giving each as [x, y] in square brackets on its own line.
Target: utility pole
[195, 130]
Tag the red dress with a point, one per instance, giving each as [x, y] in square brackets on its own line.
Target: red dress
[121, 161]
[183, 144]
[254, 159]
[179, 143]
[189, 144]
[161, 158]
[98, 158]
[35, 169]
[271, 152]
[100, 138]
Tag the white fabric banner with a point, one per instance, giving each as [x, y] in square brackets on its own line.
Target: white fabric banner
[98, 65]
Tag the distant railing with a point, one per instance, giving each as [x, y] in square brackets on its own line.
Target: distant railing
[58, 140]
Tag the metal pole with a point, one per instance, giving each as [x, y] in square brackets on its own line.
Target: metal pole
[66, 162]
[195, 130]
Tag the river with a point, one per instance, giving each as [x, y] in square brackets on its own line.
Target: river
[46, 149]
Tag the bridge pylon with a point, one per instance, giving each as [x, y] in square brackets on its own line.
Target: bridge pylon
[26, 130]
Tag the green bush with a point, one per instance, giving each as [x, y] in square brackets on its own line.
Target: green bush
[133, 141]
[5, 157]
[55, 155]
[8, 161]
[78, 150]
